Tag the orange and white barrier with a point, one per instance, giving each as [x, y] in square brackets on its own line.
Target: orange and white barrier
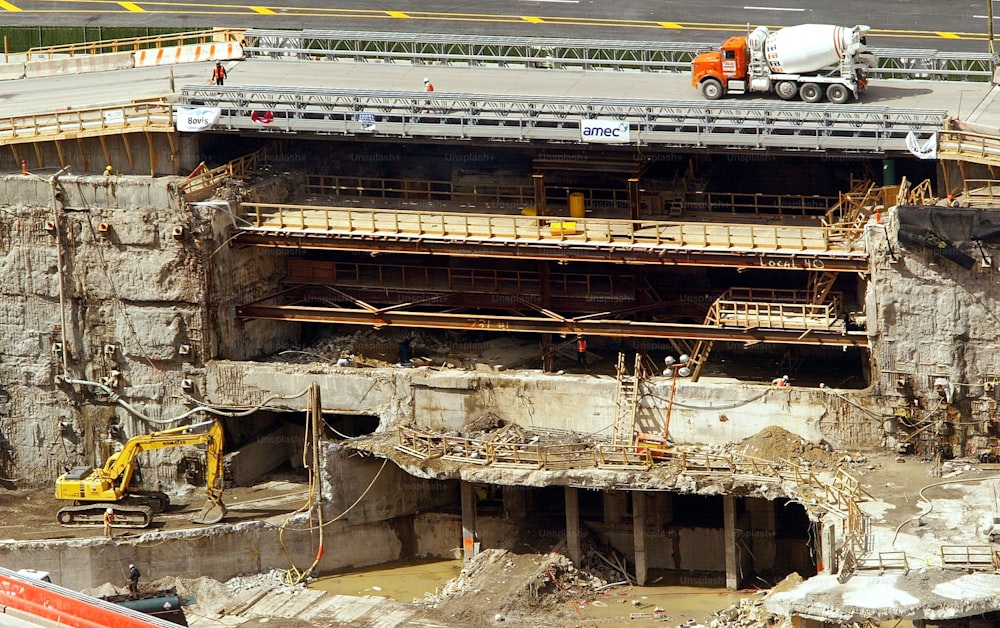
[190, 53]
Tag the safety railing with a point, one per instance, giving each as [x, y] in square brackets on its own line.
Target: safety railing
[515, 283]
[968, 146]
[502, 195]
[137, 43]
[967, 556]
[757, 204]
[408, 224]
[565, 53]
[981, 192]
[749, 314]
[203, 181]
[124, 118]
[775, 295]
[756, 125]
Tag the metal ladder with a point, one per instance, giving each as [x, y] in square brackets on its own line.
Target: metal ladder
[626, 401]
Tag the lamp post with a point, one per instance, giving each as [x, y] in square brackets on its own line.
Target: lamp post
[678, 368]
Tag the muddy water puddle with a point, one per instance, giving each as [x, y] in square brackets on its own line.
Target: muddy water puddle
[676, 604]
[400, 580]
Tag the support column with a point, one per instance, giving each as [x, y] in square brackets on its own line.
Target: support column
[729, 540]
[639, 536]
[614, 504]
[827, 549]
[634, 201]
[538, 180]
[573, 525]
[468, 520]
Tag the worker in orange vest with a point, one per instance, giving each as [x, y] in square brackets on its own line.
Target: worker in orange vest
[581, 351]
[219, 74]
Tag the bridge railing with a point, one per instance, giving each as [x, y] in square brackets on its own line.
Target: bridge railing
[566, 53]
[123, 118]
[130, 44]
[757, 125]
[536, 229]
[969, 146]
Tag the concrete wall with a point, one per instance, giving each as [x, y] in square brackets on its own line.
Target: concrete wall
[222, 553]
[705, 411]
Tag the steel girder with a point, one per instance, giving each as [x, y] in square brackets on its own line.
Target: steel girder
[551, 324]
[566, 53]
[688, 124]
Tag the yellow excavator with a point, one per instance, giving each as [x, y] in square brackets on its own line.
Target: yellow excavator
[93, 491]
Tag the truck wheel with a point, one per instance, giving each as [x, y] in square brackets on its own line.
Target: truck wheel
[786, 90]
[837, 94]
[711, 89]
[811, 93]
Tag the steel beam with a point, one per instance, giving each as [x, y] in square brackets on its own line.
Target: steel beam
[544, 325]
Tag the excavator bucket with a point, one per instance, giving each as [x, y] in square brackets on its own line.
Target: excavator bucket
[211, 512]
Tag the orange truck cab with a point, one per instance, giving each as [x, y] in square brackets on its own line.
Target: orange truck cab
[728, 62]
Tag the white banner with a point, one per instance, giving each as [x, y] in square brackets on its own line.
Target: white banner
[927, 150]
[197, 118]
[604, 131]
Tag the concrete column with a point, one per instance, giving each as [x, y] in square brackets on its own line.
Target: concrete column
[639, 536]
[667, 507]
[763, 534]
[827, 548]
[614, 504]
[573, 525]
[729, 540]
[468, 520]
[516, 502]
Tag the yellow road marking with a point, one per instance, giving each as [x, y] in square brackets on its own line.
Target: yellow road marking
[262, 10]
[133, 7]
[397, 14]
[532, 20]
[946, 35]
[670, 25]
[6, 6]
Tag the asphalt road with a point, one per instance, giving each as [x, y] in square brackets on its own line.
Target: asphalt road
[953, 26]
[76, 91]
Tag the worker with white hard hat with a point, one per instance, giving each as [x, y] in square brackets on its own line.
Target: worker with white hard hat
[109, 520]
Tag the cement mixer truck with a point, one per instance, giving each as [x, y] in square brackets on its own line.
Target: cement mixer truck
[808, 61]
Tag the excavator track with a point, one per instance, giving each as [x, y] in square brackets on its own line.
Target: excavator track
[92, 515]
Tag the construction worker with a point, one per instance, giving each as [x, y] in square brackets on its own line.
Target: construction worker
[219, 74]
[581, 351]
[133, 580]
[780, 381]
[428, 86]
[109, 520]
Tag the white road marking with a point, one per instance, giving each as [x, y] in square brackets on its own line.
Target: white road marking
[772, 9]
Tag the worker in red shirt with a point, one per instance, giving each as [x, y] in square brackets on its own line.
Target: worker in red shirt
[581, 351]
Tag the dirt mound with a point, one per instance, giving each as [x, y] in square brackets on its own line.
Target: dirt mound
[776, 443]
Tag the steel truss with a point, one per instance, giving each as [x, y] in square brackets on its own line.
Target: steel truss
[500, 118]
[564, 53]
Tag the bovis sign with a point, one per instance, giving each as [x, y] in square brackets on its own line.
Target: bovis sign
[197, 118]
[604, 131]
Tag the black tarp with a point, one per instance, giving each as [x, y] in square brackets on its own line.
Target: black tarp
[953, 233]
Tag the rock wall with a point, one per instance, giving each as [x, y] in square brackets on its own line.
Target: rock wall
[935, 341]
[112, 298]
